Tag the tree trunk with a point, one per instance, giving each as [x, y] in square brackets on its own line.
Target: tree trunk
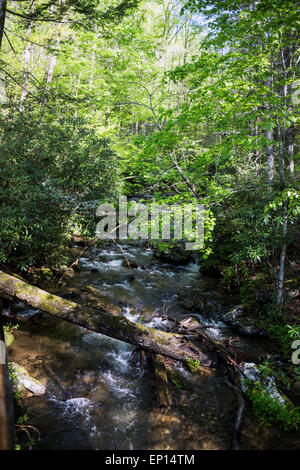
[282, 256]
[57, 33]
[164, 398]
[172, 345]
[290, 148]
[2, 18]
[270, 147]
[27, 53]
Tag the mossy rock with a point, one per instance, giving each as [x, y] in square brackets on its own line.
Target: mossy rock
[9, 338]
[23, 382]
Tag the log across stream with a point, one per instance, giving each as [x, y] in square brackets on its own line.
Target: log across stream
[96, 396]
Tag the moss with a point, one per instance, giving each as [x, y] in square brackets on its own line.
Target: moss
[9, 338]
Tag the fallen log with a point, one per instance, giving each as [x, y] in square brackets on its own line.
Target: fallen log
[118, 327]
[163, 394]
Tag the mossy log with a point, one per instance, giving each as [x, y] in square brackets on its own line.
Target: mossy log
[163, 394]
[118, 327]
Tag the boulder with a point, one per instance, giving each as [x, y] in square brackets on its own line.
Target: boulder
[177, 256]
[133, 264]
[23, 381]
[191, 323]
[233, 314]
[246, 325]
[251, 372]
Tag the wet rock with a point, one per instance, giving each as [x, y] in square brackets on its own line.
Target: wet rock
[23, 381]
[251, 372]
[132, 264]
[233, 314]
[177, 256]
[191, 323]
[246, 325]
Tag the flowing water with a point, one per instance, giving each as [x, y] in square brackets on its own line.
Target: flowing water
[111, 405]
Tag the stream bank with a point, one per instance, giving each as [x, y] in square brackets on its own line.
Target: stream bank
[112, 406]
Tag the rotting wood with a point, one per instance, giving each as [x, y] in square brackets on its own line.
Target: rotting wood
[163, 394]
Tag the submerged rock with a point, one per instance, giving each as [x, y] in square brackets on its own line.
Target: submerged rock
[73, 295]
[23, 381]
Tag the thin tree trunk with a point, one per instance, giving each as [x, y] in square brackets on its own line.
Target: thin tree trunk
[257, 152]
[2, 18]
[270, 147]
[27, 54]
[282, 257]
[172, 345]
[280, 134]
[290, 148]
[93, 64]
[53, 58]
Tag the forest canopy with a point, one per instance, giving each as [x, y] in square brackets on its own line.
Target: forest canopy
[181, 101]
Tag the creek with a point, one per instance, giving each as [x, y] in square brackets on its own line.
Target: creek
[112, 405]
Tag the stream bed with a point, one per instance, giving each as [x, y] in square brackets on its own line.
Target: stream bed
[111, 405]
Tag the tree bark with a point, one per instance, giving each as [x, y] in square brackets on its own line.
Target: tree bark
[282, 256]
[270, 138]
[2, 18]
[27, 53]
[290, 148]
[164, 397]
[118, 327]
